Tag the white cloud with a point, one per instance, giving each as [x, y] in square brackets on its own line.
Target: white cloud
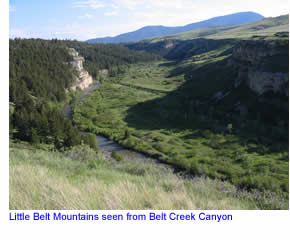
[85, 31]
[129, 4]
[114, 6]
[153, 4]
[62, 33]
[113, 13]
[94, 4]
[12, 8]
[18, 33]
[171, 4]
[182, 12]
[89, 16]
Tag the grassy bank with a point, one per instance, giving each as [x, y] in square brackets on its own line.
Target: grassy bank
[41, 179]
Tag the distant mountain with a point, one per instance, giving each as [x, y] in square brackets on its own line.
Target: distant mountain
[156, 31]
[265, 27]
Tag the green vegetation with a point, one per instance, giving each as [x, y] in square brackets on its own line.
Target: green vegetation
[117, 156]
[37, 68]
[40, 76]
[41, 179]
[183, 45]
[91, 140]
[151, 76]
[267, 28]
[196, 111]
[114, 57]
[203, 141]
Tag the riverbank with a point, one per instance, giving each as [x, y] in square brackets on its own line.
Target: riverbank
[107, 146]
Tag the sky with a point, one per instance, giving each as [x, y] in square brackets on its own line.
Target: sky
[86, 19]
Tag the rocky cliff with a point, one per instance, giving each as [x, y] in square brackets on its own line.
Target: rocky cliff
[263, 65]
[83, 80]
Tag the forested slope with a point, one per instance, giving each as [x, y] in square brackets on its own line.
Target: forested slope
[113, 57]
[41, 74]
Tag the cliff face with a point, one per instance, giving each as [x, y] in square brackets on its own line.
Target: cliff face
[263, 65]
[83, 80]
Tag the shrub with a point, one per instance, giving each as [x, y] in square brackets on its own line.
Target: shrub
[82, 153]
[117, 156]
[195, 168]
[35, 139]
[91, 140]
[206, 134]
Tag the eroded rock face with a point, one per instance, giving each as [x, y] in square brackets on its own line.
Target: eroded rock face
[78, 63]
[262, 82]
[263, 65]
[83, 80]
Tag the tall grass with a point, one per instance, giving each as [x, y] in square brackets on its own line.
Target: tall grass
[41, 179]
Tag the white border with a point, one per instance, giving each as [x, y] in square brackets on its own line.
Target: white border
[245, 224]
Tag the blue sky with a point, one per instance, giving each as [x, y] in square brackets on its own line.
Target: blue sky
[84, 19]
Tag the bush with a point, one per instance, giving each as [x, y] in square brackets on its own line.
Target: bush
[91, 140]
[83, 153]
[195, 168]
[206, 134]
[117, 156]
[162, 148]
[35, 139]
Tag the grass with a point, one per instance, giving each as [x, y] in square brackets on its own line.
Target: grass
[154, 123]
[41, 179]
[151, 76]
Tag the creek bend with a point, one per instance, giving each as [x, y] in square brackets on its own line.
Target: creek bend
[108, 146]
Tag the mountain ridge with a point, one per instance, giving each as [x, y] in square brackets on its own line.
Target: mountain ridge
[159, 30]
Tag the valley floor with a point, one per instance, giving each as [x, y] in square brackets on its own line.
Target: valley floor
[127, 111]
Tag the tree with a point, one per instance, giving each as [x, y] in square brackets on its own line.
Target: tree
[72, 135]
[35, 139]
[230, 128]
[92, 141]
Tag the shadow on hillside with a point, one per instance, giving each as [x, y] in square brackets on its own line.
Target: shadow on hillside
[191, 107]
[169, 64]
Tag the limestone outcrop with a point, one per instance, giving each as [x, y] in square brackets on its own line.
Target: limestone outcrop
[263, 65]
[83, 80]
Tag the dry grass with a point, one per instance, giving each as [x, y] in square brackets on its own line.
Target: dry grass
[46, 180]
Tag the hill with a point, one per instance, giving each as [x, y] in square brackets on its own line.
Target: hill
[168, 46]
[155, 31]
[266, 27]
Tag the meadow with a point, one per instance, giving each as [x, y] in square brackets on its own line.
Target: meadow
[81, 179]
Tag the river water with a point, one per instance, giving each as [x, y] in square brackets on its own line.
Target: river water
[108, 146]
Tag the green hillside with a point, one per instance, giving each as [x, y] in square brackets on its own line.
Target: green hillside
[179, 129]
[40, 82]
[40, 179]
[266, 27]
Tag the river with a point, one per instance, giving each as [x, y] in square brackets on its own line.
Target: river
[108, 146]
